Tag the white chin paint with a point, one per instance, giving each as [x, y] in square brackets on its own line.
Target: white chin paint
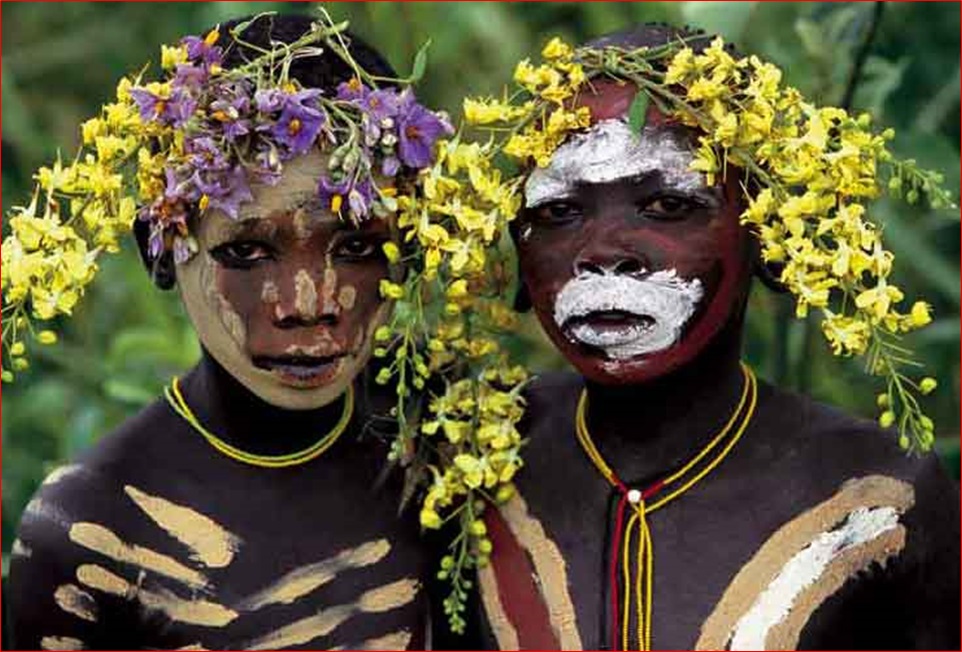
[804, 569]
[609, 151]
[664, 300]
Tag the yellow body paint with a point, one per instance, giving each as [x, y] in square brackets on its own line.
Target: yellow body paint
[301, 632]
[346, 297]
[305, 294]
[192, 612]
[61, 643]
[74, 600]
[210, 544]
[398, 640]
[102, 540]
[306, 579]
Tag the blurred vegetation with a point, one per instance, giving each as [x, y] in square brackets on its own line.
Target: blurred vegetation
[61, 62]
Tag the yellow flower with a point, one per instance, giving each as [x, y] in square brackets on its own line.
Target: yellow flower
[487, 111]
[170, 57]
[920, 314]
[846, 335]
[430, 519]
[46, 337]
[390, 290]
[557, 49]
[706, 160]
[391, 252]
[682, 65]
[879, 299]
[759, 208]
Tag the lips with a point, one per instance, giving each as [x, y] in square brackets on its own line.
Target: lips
[608, 328]
[302, 371]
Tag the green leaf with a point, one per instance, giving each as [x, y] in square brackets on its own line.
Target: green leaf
[637, 111]
[420, 63]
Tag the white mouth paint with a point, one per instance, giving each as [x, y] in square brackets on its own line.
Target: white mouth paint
[610, 151]
[664, 298]
[804, 569]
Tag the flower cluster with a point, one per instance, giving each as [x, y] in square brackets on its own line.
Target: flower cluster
[458, 400]
[167, 152]
[809, 174]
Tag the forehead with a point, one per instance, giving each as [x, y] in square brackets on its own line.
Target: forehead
[610, 150]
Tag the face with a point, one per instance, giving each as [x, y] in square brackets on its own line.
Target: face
[632, 262]
[286, 297]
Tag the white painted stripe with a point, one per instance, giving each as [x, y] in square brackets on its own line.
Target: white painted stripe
[804, 569]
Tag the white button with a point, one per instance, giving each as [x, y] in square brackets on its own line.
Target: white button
[634, 496]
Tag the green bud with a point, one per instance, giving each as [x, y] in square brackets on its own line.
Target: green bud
[447, 562]
[485, 546]
[7, 376]
[895, 183]
[380, 352]
[478, 528]
[927, 424]
[904, 442]
[883, 400]
[442, 575]
[928, 385]
[912, 196]
[383, 376]
[382, 334]
[887, 419]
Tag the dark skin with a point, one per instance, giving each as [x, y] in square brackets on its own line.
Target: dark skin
[648, 415]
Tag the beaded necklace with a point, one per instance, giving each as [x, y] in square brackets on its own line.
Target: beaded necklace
[639, 499]
[179, 405]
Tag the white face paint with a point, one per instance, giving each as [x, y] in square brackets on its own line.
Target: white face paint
[610, 151]
[662, 302]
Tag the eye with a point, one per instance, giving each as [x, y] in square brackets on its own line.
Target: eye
[357, 247]
[669, 207]
[558, 212]
[242, 253]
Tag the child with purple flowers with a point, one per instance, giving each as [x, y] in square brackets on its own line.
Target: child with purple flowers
[241, 512]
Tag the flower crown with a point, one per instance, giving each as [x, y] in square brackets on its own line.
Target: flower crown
[811, 169]
[168, 152]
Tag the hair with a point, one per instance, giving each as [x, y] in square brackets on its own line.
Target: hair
[652, 35]
[324, 71]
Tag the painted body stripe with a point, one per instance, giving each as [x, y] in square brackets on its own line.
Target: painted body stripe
[524, 623]
[74, 600]
[61, 643]
[100, 539]
[199, 612]
[398, 640]
[209, 543]
[304, 631]
[753, 578]
[309, 578]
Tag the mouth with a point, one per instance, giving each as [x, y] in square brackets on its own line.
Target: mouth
[301, 371]
[613, 332]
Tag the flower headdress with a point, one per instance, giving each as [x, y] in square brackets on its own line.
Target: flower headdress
[167, 152]
[811, 171]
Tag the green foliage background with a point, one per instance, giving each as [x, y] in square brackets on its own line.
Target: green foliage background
[61, 61]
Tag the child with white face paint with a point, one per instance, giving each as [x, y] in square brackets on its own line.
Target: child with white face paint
[668, 498]
[246, 511]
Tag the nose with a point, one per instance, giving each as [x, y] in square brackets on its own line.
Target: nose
[608, 262]
[301, 306]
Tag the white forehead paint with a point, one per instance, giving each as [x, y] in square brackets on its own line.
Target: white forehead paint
[663, 297]
[609, 151]
[804, 569]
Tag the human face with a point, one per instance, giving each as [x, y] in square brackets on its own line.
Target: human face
[286, 297]
[632, 262]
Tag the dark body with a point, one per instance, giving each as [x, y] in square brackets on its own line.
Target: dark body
[310, 556]
[794, 456]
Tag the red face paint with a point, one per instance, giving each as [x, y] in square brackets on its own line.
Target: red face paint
[651, 224]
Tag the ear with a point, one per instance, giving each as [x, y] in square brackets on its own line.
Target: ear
[161, 270]
[522, 298]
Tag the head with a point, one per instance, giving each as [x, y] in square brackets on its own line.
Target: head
[285, 297]
[632, 263]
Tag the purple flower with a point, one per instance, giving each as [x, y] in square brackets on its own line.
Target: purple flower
[418, 129]
[225, 190]
[178, 189]
[155, 243]
[205, 154]
[390, 166]
[203, 49]
[351, 91]
[332, 193]
[359, 199]
[300, 122]
[231, 111]
[189, 77]
[174, 110]
[270, 100]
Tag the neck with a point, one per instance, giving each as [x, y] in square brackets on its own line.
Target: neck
[645, 430]
[237, 416]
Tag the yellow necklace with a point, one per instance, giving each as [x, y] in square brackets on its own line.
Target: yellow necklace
[638, 500]
[179, 405]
